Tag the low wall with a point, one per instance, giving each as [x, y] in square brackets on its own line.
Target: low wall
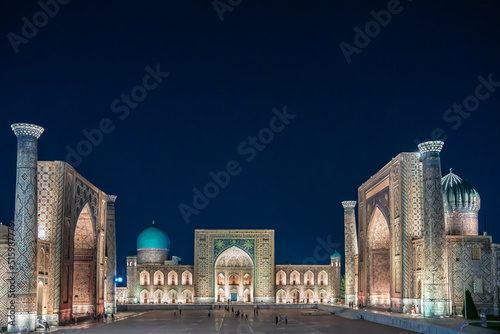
[385, 319]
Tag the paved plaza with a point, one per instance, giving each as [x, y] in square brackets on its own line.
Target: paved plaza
[220, 321]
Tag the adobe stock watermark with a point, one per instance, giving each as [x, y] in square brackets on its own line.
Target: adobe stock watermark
[11, 274]
[222, 6]
[457, 114]
[322, 252]
[372, 29]
[248, 149]
[120, 106]
[29, 29]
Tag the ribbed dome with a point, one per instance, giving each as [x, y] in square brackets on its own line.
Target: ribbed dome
[335, 255]
[153, 237]
[458, 194]
[132, 254]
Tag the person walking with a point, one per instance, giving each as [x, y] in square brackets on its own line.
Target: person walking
[246, 316]
[180, 311]
[208, 312]
[286, 320]
[46, 325]
[175, 313]
[276, 320]
[112, 317]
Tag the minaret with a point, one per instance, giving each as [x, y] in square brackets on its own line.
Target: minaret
[351, 249]
[435, 301]
[132, 279]
[25, 227]
[335, 273]
[111, 254]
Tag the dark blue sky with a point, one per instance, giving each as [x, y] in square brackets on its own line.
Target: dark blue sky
[225, 79]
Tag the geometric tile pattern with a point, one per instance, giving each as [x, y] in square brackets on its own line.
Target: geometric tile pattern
[25, 225]
[435, 302]
[351, 249]
[258, 244]
[111, 255]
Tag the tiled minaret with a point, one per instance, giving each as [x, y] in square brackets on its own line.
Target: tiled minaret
[435, 301]
[335, 274]
[111, 254]
[25, 227]
[351, 249]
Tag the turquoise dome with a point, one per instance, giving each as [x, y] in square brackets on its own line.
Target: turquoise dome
[458, 194]
[153, 237]
[335, 255]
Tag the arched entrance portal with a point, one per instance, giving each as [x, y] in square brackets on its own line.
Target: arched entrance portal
[237, 266]
[84, 265]
[380, 276]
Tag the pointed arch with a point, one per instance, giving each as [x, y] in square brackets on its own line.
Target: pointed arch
[159, 278]
[173, 278]
[187, 278]
[84, 263]
[308, 296]
[158, 296]
[281, 278]
[322, 278]
[379, 241]
[144, 296]
[295, 296]
[323, 296]
[281, 296]
[144, 277]
[295, 278]
[309, 278]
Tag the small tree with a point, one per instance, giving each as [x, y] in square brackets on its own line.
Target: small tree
[342, 287]
[470, 306]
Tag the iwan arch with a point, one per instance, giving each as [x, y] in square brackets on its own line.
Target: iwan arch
[416, 243]
[65, 249]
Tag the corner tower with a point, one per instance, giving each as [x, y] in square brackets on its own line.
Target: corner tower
[351, 250]
[435, 301]
[25, 226]
[335, 274]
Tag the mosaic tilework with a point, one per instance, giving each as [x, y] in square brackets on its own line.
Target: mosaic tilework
[411, 202]
[206, 249]
[111, 254]
[435, 259]
[466, 270]
[351, 249]
[25, 236]
[82, 274]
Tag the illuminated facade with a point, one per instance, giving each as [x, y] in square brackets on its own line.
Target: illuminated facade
[229, 265]
[418, 239]
[64, 235]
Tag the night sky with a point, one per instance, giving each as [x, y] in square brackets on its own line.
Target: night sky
[216, 82]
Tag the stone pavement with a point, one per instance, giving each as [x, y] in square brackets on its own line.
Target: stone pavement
[221, 322]
[447, 323]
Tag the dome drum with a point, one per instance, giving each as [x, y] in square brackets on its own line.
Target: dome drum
[461, 205]
[152, 255]
[153, 246]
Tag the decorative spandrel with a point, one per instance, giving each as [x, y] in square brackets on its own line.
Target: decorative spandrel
[247, 245]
